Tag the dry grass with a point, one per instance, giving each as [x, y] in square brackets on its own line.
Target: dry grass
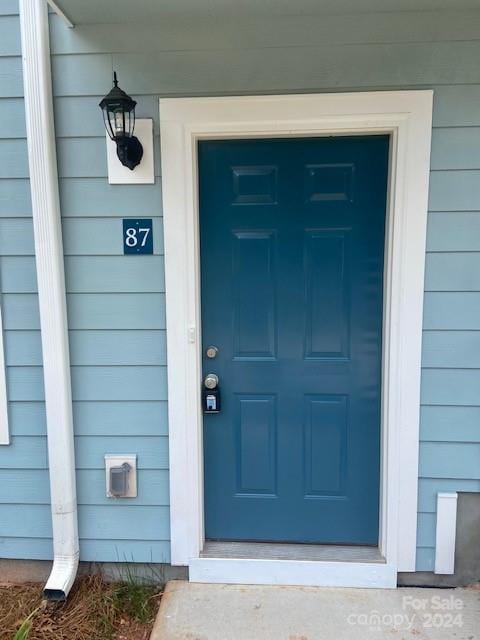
[95, 610]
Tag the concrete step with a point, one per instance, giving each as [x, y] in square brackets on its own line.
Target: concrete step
[243, 612]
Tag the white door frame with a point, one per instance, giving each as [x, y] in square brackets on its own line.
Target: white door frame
[407, 117]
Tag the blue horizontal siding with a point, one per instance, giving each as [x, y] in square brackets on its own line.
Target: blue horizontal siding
[116, 419]
[116, 311]
[450, 387]
[31, 486]
[12, 117]
[122, 522]
[24, 453]
[95, 197]
[24, 486]
[454, 231]
[34, 522]
[430, 487]
[25, 384]
[451, 349]
[18, 274]
[255, 30]
[11, 83]
[16, 236]
[152, 452]
[425, 559]
[450, 424]
[90, 550]
[454, 191]
[119, 383]
[93, 75]
[27, 418]
[124, 274]
[101, 236]
[120, 418]
[115, 347]
[282, 69]
[9, 7]
[20, 311]
[452, 272]
[26, 548]
[15, 198]
[452, 310]
[23, 348]
[23, 464]
[426, 529]
[126, 550]
[82, 157]
[456, 148]
[131, 522]
[450, 460]
[456, 106]
[15, 160]
[73, 117]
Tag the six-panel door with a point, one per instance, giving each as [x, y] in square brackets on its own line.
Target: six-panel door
[292, 246]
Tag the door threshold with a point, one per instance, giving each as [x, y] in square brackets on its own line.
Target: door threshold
[293, 564]
[291, 551]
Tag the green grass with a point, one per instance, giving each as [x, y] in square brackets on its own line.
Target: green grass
[24, 630]
[136, 601]
[137, 596]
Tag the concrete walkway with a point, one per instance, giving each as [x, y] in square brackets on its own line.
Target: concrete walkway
[232, 612]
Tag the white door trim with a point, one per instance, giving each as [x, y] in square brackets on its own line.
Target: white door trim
[407, 117]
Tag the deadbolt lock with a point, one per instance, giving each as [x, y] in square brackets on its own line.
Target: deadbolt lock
[211, 352]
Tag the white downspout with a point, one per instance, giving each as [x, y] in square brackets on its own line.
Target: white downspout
[51, 293]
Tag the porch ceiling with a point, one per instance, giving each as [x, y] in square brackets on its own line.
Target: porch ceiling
[124, 11]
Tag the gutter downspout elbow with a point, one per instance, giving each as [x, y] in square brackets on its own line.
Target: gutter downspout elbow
[43, 173]
[62, 577]
[66, 551]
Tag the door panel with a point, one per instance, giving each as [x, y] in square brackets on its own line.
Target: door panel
[326, 294]
[292, 242]
[325, 445]
[254, 321]
[256, 445]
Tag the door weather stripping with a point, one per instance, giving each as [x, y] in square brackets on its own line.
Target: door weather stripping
[42, 162]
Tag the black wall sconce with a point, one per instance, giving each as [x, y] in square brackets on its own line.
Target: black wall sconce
[118, 110]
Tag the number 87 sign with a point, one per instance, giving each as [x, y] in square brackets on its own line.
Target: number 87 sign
[137, 236]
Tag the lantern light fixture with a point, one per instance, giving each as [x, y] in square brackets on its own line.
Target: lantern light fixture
[118, 110]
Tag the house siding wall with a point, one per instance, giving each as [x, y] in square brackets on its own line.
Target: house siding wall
[24, 490]
[116, 304]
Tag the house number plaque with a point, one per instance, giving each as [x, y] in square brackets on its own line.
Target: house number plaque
[137, 236]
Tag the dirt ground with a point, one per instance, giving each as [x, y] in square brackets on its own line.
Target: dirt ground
[95, 610]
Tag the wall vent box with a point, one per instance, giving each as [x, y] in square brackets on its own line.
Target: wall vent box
[144, 172]
[121, 475]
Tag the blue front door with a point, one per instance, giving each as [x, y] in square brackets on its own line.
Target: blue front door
[292, 245]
